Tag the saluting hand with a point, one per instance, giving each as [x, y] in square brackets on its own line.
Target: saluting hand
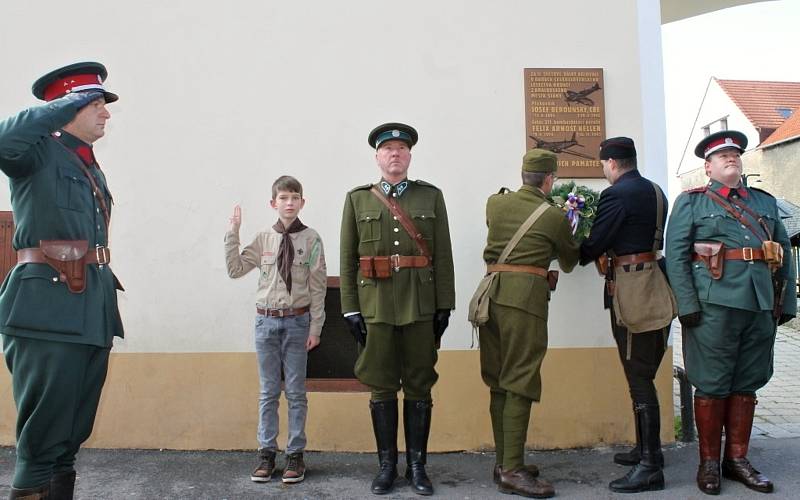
[236, 219]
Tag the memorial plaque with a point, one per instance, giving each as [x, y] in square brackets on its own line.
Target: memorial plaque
[565, 113]
[330, 365]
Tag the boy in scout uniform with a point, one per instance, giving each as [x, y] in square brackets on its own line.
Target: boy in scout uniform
[733, 286]
[58, 306]
[290, 312]
[397, 290]
[514, 340]
[627, 227]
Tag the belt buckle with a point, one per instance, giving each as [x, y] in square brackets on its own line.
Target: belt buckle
[395, 261]
[101, 253]
[280, 312]
[747, 254]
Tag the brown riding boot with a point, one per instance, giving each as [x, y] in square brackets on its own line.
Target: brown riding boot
[709, 414]
[37, 493]
[521, 482]
[738, 426]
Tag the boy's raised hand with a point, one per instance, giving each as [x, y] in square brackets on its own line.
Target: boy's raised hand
[236, 219]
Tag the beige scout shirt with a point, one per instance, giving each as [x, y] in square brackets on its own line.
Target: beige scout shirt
[309, 275]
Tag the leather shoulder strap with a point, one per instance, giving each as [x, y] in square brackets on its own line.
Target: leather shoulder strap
[404, 220]
[98, 194]
[659, 234]
[736, 215]
[512, 243]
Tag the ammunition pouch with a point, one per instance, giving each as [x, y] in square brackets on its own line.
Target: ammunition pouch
[773, 254]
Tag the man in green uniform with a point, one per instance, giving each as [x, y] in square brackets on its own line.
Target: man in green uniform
[397, 290]
[723, 260]
[58, 306]
[514, 339]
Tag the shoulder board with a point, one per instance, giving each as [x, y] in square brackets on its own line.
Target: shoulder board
[698, 189]
[359, 188]
[761, 191]
[423, 183]
[504, 190]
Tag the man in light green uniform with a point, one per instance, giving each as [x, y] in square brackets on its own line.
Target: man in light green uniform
[58, 306]
[396, 300]
[514, 340]
[729, 301]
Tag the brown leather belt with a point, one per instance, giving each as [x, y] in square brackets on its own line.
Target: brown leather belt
[516, 268]
[746, 253]
[401, 261]
[282, 313]
[635, 258]
[98, 255]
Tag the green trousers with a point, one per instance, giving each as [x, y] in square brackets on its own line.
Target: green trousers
[398, 357]
[57, 389]
[513, 344]
[730, 352]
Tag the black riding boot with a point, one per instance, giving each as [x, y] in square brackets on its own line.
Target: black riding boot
[648, 474]
[417, 424]
[634, 455]
[62, 485]
[384, 423]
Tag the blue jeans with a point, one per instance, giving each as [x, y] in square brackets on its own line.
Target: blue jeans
[281, 342]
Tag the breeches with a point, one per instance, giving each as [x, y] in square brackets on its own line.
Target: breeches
[646, 352]
[512, 346]
[730, 352]
[398, 357]
[57, 389]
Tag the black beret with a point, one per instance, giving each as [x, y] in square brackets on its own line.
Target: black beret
[617, 148]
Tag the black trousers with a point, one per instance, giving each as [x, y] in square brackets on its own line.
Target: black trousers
[640, 359]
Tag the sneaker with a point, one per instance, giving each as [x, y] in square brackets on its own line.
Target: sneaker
[263, 473]
[295, 470]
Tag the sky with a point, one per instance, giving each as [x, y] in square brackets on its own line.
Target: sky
[750, 42]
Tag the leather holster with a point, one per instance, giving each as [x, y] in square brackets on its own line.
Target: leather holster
[68, 258]
[552, 280]
[712, 253]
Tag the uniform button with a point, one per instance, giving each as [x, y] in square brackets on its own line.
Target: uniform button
[751, 262]
[98, 226]
[396, 243]
[744, 227]
[394, 195]
[396, 229]
[98, 210]
[362, 282]
[55, 279]
[423, 216]
[394, 217]
[746, 237]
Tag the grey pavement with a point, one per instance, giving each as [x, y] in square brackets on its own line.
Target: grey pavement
[578, 474]
[778, 410]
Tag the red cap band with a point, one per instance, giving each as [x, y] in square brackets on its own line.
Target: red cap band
[721, 143]
[74, 83]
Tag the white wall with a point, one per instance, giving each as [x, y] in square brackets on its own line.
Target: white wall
[218, 99]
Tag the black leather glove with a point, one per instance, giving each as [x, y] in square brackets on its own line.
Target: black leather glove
[690, 320]
[83, 99]
[357, 327]
[440, 321]
[785, 318]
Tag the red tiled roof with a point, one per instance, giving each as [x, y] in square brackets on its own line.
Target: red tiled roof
[790, 129]
[760, 100]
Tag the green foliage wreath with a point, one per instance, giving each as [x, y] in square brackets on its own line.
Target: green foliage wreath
[586, 200]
